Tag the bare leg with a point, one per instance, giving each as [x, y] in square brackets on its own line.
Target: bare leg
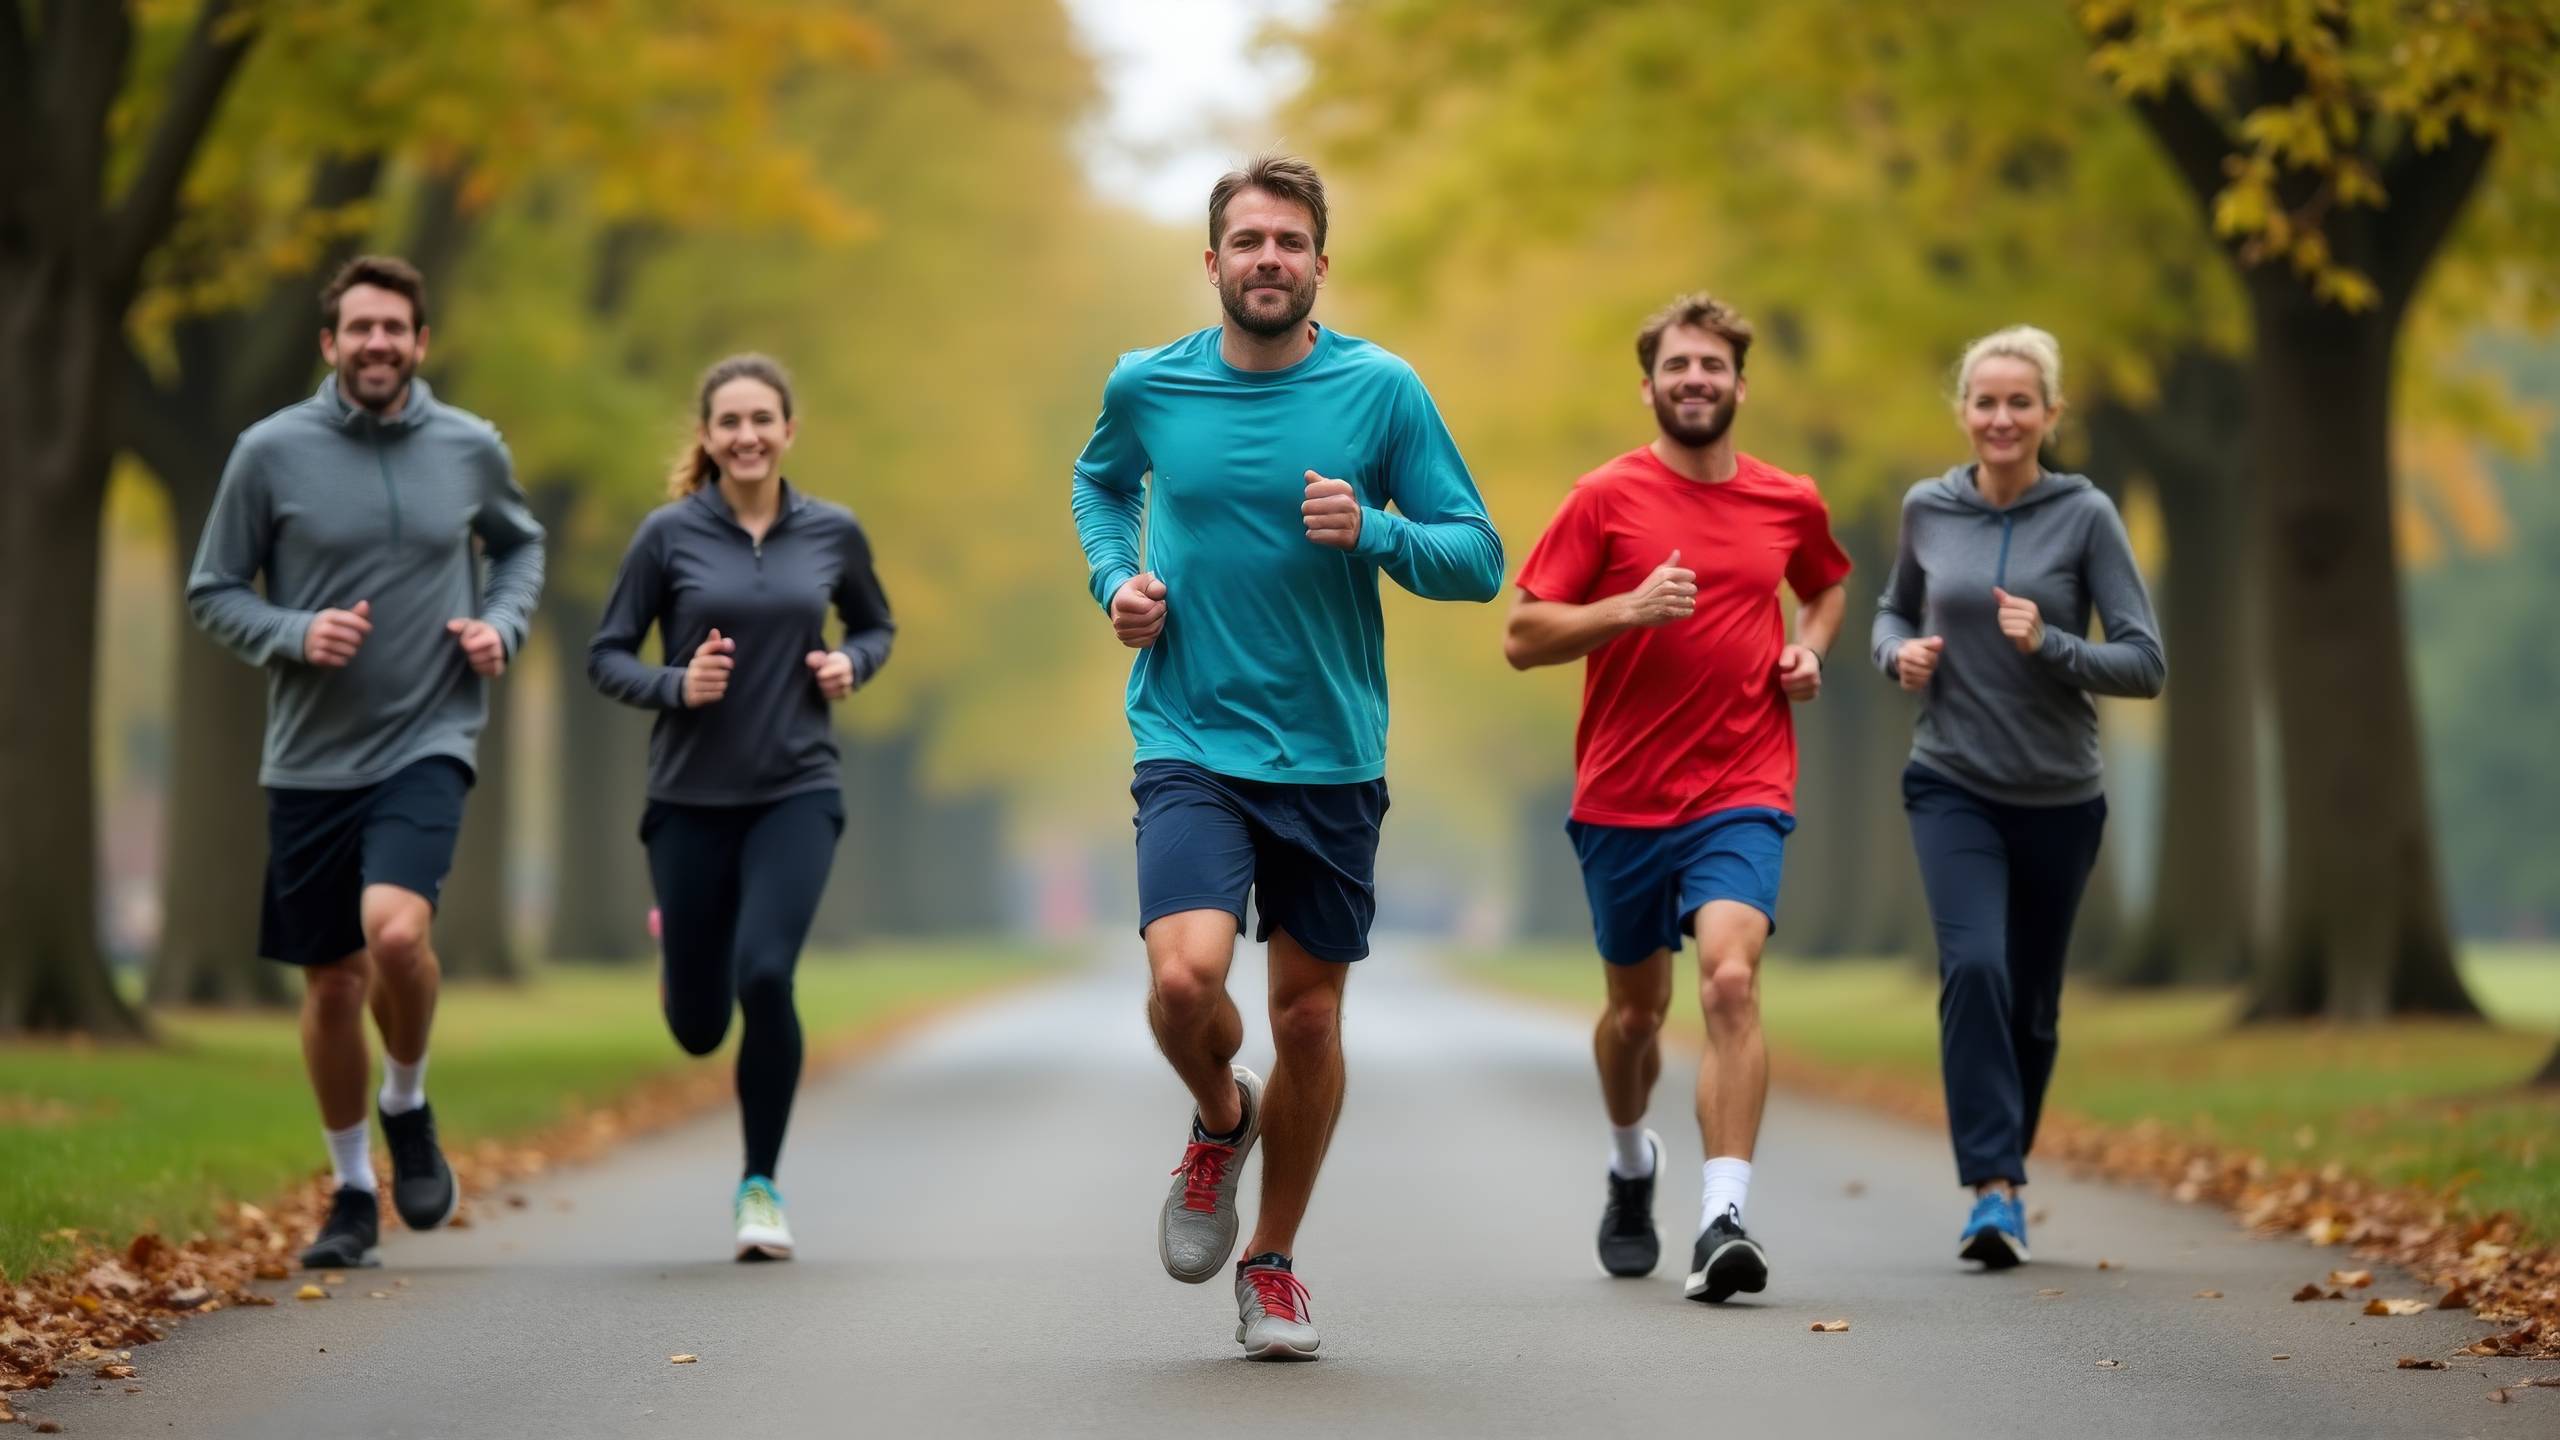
[396, 921]
[333, 1045]
[1304, 1098]
[1628, 1042]
[1733, 1083]
[1195, 1021]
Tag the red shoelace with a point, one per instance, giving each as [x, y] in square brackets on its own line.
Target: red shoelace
[1203, 1166]
[1281, 1294]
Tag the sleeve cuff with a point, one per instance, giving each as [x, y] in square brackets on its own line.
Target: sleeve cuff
[1110, 583]
[1377, 534]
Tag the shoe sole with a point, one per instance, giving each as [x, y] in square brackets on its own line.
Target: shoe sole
[1244, 1152]
[1279, 1350]
[1995, 1250]
[760, 1252]
[369, 1260]
[1748, 1275]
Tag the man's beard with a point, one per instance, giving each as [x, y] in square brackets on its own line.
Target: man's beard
[1666, 413]
[1302, 300]
[350, 380]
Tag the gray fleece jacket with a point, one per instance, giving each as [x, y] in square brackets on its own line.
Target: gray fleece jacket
[2017, 728]
[334, 504]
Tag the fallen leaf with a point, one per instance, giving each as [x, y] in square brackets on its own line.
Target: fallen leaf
[189, 1298]
[2327, 1230]
[87, 1302]
[333, 1279]
[2208, 1294]
[310, 1292]
[2048, 1294]
[461, 1221]
[381, 1294]
[272, 1270]
[2537, 1382]
[47, 1427]
[682, 1359]
[2351, 1279]
[400, 1284]
[515, 1202]
[2420, 1362]
[1830, 1327]
[133, 1389]
[2110, 1364]
[2106, 1265]
[2307, 1292]
[2335, 1295]
[2380, 1306]
[2282, 1357]
[115, 1372]
[2457, 1298]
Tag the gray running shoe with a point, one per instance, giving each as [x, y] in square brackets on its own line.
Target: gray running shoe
[1197, 1230]
[1274, 1320]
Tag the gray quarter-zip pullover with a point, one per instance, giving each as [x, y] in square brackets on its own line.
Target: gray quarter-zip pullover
[693, 568]
[334, 504]
[2017, 728]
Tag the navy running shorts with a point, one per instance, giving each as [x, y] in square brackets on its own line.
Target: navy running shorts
[1307, 853]
[1645, 883]
[325, 846]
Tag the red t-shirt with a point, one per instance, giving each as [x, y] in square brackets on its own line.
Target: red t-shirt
[1685, 719]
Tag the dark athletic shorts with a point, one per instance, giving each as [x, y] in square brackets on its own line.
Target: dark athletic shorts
[325, 846]
[1645, 883]
[1308, 853]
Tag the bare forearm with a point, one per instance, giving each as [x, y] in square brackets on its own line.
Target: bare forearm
[1547, 632]
[1818, 619]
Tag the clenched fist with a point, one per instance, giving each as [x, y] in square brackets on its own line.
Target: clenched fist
[1137, 610]
[1331, 512]
[1669, 593]
[706, 676]
[834, 670]
[1917, 660]
[1800, 672]
[335, 635]
[481, 645]
[2020, 621]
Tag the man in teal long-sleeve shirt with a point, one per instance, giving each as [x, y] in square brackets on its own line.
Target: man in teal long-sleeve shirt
[1259, 698]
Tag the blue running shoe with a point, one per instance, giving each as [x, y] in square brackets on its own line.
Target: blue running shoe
[1996, 1233]
[762, 1232]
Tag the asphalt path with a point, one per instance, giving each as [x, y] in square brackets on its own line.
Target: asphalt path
[975, 1210]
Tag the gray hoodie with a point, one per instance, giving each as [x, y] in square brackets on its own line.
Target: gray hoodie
[2012, 727]
[335, 504]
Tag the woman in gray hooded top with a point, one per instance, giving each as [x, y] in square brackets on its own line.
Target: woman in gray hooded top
[1986, 618]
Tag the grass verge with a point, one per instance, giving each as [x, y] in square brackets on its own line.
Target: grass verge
[106, 1141]
[2425, 1106]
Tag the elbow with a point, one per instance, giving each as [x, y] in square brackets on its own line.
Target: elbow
[2155, 677]
[1515, 653]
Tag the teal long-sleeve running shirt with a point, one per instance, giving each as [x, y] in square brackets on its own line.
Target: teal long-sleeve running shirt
[1272, 662]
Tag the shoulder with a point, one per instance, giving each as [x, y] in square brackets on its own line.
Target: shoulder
[1784, 484]
[1373, 362]
[1918, 495]
[663, 525]
[297, 423]
[473, 437]
[1135, 368]
[830, 518]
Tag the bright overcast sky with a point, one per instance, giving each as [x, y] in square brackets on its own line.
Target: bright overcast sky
[1188, 95]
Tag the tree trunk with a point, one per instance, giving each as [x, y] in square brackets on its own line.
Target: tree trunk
[215, 846]
[2550, 1075]
[2361, 925]
[2203, 923]
[59, 347]
[474, 934]
[600, 885]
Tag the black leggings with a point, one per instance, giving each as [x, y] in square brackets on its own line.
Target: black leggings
[737, 887]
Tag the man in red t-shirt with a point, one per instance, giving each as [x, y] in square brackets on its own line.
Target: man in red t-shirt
[1662, 567]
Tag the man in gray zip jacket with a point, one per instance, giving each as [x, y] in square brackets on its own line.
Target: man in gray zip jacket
[379, 636]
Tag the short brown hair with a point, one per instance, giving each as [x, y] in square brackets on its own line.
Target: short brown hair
[1699, 311]
[382, 272]
[1285, 176]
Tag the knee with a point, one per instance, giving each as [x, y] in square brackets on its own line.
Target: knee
[1188, 989]
[765, 995]
[1636, 1022]
[1307, 1023]
[398, 942]
[699, 1033]
[1973, 969]
[1729, 988]
[336, 994]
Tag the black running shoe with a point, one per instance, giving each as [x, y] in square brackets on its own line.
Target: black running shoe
[347, 1238]
[1630, 1245]
[422, 1187]
[1726, 1261]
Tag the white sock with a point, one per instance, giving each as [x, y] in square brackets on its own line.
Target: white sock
[404, 1087]
[1728, 1184]
[1630, 1158]
[351, 1156]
